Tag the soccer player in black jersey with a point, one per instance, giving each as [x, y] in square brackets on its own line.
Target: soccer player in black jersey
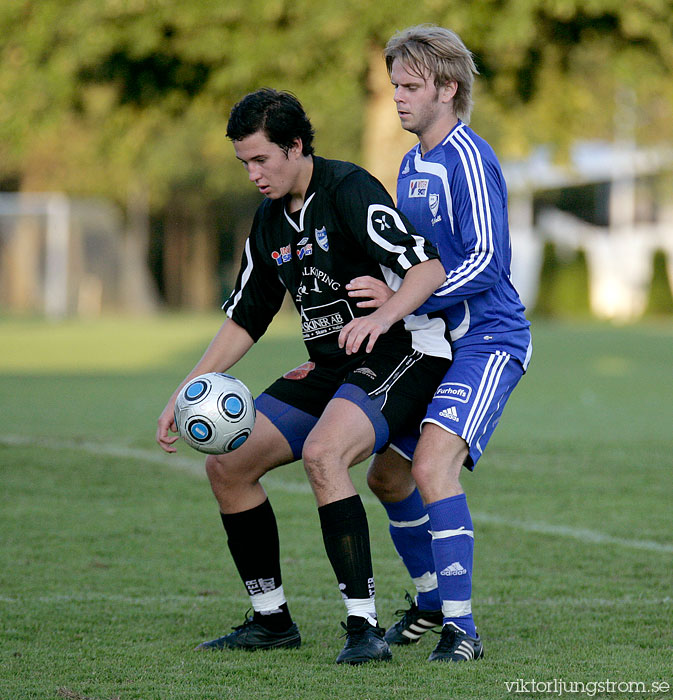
[368, 375]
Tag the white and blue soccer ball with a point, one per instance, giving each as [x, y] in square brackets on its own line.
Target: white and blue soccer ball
[215, 413]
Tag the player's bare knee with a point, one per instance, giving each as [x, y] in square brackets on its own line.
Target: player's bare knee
[377, 481]
[389, 477]
[436, 476]
[315, 456]
[383, 484]
[323, 464]
[214, 469]
[221, 470]
[423, 473]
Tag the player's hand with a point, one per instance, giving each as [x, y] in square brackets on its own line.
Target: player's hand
[376, 292]
[166, 424]
[359, 329]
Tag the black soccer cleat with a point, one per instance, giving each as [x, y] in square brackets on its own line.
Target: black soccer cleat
[251, 636]
[364, 643]
[456, 645]
[414, 624]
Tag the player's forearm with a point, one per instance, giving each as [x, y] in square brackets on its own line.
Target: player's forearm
[418, 284]
[228, 346]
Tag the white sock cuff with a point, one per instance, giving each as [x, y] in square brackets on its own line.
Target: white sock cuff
[362, 607]
[265, 602]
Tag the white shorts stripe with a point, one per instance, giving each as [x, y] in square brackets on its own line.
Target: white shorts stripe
[489, 383]
[406, 363]
[480, 394]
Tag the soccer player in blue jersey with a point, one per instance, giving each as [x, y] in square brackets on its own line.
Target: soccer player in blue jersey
[452, 189]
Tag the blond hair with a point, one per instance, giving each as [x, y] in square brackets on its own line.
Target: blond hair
[428, 50]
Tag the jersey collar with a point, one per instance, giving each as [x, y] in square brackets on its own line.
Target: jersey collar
[443, 142]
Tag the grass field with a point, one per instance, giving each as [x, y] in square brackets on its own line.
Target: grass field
[113, 562]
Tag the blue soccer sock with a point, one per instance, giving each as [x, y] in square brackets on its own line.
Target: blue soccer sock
[409, 529]
[452, 548]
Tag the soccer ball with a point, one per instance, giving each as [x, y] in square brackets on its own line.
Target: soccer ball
[215, 413]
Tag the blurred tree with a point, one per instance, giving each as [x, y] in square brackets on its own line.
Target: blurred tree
[660, 300]
[564, 286]
[106, 96]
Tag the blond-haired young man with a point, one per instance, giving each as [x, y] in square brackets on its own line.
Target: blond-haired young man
[452, 189]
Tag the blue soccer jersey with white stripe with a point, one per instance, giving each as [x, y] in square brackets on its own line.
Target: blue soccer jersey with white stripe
[456, 196]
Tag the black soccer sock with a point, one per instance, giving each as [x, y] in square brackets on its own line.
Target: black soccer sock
[346, 537]
[252, 537]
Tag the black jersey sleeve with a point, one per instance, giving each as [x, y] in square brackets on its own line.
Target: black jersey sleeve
[368, 212]
[258, 293]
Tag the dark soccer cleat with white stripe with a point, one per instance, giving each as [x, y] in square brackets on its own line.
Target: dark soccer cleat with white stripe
[414, 623]
[251, 636]
[364, 643]
[456, 645]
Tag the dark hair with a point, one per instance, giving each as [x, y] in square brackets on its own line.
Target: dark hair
[278, 114]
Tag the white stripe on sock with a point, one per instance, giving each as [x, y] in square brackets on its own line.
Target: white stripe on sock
[426, 583]
[456, 608]
[442, 534]
[410, 523]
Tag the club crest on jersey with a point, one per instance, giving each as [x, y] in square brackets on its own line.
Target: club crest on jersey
[321, 238]
[418, 188]
[433, 203]
[284, 256]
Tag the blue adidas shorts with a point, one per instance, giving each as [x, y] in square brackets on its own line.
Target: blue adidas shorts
[469, 401]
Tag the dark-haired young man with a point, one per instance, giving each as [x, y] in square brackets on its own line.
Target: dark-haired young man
[323, 222]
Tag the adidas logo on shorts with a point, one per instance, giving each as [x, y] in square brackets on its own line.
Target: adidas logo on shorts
[450, 413]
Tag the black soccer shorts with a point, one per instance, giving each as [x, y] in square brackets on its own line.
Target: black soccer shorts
[392, 389]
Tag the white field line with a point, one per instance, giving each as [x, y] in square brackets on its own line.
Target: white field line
[216, 598]
[194, 465]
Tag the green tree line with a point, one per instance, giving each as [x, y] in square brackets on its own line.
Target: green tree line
[106, 97]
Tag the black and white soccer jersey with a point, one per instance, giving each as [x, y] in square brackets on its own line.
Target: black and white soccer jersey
[347, 227]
